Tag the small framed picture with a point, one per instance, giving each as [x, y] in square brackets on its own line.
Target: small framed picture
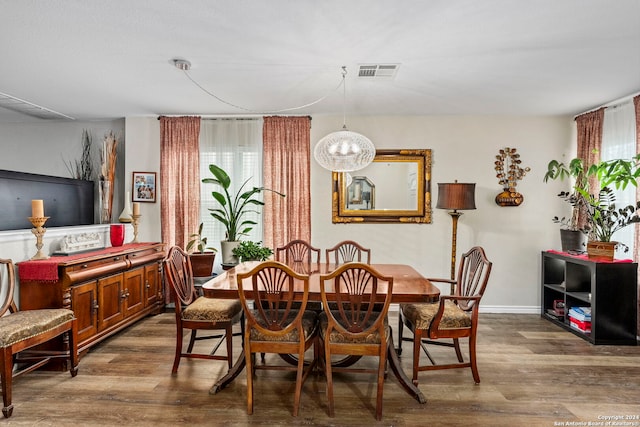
[144, 187]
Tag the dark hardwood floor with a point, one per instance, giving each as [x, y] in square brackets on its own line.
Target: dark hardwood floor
[533, 374]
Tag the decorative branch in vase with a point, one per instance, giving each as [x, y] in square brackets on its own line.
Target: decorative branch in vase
[108, 157]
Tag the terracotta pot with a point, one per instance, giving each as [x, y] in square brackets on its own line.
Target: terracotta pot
[604, 251]
[202, 263]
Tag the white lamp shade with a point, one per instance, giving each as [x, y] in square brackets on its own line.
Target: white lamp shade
[344, 151]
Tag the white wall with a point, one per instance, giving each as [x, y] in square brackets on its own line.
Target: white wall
[464, 148]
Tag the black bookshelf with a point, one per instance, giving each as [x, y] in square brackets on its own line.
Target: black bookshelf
[609, 288]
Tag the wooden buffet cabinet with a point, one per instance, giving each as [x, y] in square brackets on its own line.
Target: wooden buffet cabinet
[108, 290]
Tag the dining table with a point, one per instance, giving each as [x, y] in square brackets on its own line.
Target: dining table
[409, 286]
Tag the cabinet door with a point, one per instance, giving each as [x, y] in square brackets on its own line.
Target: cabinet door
[84, 303]
[110, 301]
[153, 292]
[133, 291]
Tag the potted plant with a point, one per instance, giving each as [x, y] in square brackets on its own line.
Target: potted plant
[603, 217]
[252, 251]
[573, 235]
[200, 255]
[232, 210]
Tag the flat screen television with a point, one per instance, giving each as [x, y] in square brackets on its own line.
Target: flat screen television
[67, 201]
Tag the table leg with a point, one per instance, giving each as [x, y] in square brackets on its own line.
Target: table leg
[403, 379]
[230, 376]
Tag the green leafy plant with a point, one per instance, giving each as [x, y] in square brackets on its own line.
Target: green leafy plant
[199, 243]
[252, 251]
[604, 218]
[234, 207]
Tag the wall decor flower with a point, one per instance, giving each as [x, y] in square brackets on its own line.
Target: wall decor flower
[509, 172]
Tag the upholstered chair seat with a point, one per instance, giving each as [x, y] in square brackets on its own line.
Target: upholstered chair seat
[421, 315]
[27, 324]
[336, 336]
[309, 326]
[212, 309]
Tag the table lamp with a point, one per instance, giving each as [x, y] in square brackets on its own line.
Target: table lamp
[455, 196]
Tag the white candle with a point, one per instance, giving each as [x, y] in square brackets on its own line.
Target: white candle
[136, 208]
[37, 208]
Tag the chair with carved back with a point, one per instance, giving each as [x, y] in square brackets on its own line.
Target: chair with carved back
[196, 313]
[298, 251]
[20, 331]
[274, 325]
[355, 326]
[455, 316]
[348, 251]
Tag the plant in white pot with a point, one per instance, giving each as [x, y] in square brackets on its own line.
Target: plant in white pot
[232, 210]
[603, 217]
[201, 256]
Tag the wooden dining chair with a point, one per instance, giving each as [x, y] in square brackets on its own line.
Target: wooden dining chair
[20, 331]
[298, 251]
[196, 313]
[455, 316]
[355, 327]
[274, 325]
[348, 251]
[302, 258]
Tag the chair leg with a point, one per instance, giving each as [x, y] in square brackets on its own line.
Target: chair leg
[6, 358]
[400, 331]
[249, 369]
[192, 340]
[73, 348]
[472, 357]
[417, 345]
[229, 339]
[329, 377]
[176, 360]
[299, 376]
[382, 363]
[456, 345]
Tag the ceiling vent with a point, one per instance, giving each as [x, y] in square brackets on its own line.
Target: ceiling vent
[386, 71]
[25, 107]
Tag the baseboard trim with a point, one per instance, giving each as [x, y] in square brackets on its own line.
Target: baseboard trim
[503, 309]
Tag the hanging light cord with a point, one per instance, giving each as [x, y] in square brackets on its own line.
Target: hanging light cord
[344, 73]
[344, 97]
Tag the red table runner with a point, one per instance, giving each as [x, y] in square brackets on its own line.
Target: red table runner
[46, 270]
[586, 258]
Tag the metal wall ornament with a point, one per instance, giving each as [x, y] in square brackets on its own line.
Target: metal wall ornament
[509, 172]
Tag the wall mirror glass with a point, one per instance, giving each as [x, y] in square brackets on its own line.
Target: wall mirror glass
[396, 187]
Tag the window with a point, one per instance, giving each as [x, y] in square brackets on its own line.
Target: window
[619, 142]
[235, 145]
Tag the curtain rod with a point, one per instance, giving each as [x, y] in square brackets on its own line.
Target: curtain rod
[613, 104]
[207, 117]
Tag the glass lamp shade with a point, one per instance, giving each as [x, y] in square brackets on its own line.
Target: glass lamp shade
[344, 151]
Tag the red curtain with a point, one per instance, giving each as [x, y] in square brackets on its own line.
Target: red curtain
[179, 179]
[589, 126]
[287, 164]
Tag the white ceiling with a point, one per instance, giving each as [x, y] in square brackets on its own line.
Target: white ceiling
[97, 59]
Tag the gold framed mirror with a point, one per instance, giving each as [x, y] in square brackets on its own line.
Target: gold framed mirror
[395, 188]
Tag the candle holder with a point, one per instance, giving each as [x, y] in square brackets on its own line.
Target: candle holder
[135, 221]
[38, 231]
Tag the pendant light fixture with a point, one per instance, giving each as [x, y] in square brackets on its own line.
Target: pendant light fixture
[344, 150]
